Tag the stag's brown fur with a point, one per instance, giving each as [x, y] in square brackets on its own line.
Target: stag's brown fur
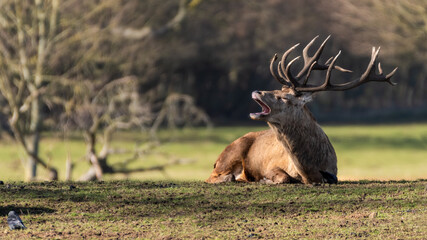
[293, 150]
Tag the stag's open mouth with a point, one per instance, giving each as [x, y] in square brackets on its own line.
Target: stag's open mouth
[265, 108]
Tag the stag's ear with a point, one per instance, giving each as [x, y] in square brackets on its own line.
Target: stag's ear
[298, 100]
[305, 98]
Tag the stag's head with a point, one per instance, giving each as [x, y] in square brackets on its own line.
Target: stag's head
[290, 101]
[279, 105]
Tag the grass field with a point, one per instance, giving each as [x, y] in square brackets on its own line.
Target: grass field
[195, 210]
[178, 205]
[383, 152]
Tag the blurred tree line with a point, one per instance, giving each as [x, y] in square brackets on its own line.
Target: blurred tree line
[220, 51]
[99, 66]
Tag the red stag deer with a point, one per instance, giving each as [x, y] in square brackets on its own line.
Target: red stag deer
[295, 148]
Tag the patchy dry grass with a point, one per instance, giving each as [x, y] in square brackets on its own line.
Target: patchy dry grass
[195, 210]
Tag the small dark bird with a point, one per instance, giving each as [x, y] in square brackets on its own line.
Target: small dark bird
[329, 177]
[15, 221]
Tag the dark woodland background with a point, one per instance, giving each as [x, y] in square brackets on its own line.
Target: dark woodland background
[218, 52]
[221, 52]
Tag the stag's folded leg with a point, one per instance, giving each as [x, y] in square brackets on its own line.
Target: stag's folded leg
[229, 165]
[277, 176]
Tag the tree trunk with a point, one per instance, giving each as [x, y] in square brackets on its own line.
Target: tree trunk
[33, 139]
[91, 154]
[33, 146]
[89, 175]
[69, 165]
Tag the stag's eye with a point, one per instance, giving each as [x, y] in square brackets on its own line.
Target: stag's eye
[282, 99]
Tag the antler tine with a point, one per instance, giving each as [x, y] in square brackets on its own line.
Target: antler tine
[289, 77]
[342, 69]
[280, 72]
[329, 72]
[326, 84]
[305, 50]
[308, 61]
[380, 70]
[288, 73]
[285, 55]
[388, 77]
[371, 69]
[371, 66]
[329, 60]
[337, 67]
[280, 80]
[319, 50]
[309, 72]
[369, 75]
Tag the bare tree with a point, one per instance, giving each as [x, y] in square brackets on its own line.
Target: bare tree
[99, 108]
[39, 54]
[180, 109]
[108, 105]
[28, 31]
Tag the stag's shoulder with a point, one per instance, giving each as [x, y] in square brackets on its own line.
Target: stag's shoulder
[244, 142]
[254, 135]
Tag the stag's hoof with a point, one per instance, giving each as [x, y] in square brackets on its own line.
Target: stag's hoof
[329, 177]
[267, 181]
[221, 178]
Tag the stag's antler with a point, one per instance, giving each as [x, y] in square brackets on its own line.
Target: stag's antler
[312, 63]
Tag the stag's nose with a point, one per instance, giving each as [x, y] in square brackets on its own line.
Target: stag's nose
[256, 94]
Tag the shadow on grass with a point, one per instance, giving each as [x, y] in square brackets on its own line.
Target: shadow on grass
[133, 200]
[365, 182]
[4, 210]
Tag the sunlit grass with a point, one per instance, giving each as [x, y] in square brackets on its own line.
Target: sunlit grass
[364, 152]
[380, 152]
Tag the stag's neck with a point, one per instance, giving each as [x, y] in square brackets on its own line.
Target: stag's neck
[305, 140]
